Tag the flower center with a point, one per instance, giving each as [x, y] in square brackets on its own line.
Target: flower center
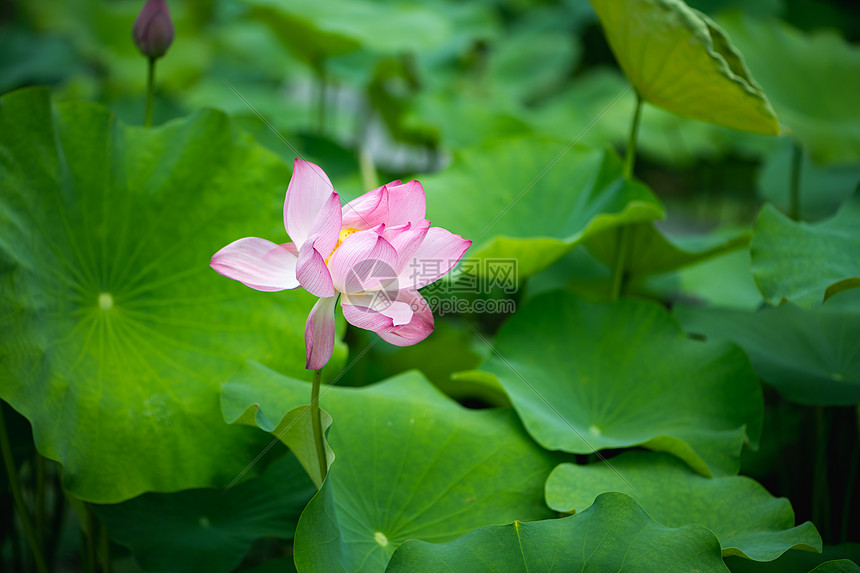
[344, 233]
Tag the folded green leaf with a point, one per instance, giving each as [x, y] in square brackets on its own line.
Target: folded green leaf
[586, 377]
[678, 59]
[747, 520]
[613, 535]
[651, 252]
[800, 262]
[447, 470]
[809, 356]
[534, 199]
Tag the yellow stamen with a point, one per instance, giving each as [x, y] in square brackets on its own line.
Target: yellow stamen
[344, 233]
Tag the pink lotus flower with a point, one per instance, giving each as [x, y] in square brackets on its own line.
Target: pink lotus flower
[373, 253]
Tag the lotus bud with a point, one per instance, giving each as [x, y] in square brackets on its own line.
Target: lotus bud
[153, 29]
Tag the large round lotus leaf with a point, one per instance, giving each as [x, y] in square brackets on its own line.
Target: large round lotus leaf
[447, 469]
[678, 59]
[651, 252]
[812, 80]
[534, 199]
[116, 334]
[809, 356]
[747, 520]
[806, 263]
[585, 377]
[316, 30]
[210, 529]
[613, 535]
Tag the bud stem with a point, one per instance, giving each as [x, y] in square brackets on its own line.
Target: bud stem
[150, 92]
[18, 497]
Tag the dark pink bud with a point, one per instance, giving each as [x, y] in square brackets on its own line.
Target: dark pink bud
[153, 30]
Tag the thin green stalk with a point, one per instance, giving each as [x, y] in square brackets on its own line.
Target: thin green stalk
[852, 482]
[630, 153]
[18, 496]
[92, 564]
[150, 92]
[58, 516]
[794, 197]
[39, 517]
[369, 175]
[622, 245]
[618, 267]
[104, 549]
[321, 96]
[17, 546]
[820, 485]
[317, 423]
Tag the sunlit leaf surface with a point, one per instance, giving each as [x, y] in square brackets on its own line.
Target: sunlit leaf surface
[448, 469]
[680, 60]
[534, 199]
[115, 331]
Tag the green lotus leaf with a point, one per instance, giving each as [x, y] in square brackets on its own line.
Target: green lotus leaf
[678, 59]
[534, 199]
[833, 559]
[115, 332]
[812, 80]
[448, 469]
[809, 356]
[614, 534]
[746, 519]
[651, 252]
[295, 430]
[210, 529]
[837, 566]
[585, 377]
[316, 30]
[801, 262]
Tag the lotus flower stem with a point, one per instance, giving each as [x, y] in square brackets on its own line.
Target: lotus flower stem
[150, 92]
[794, 198]
[623, 237]
[317, 423]
[620, 261]
[18, 496]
